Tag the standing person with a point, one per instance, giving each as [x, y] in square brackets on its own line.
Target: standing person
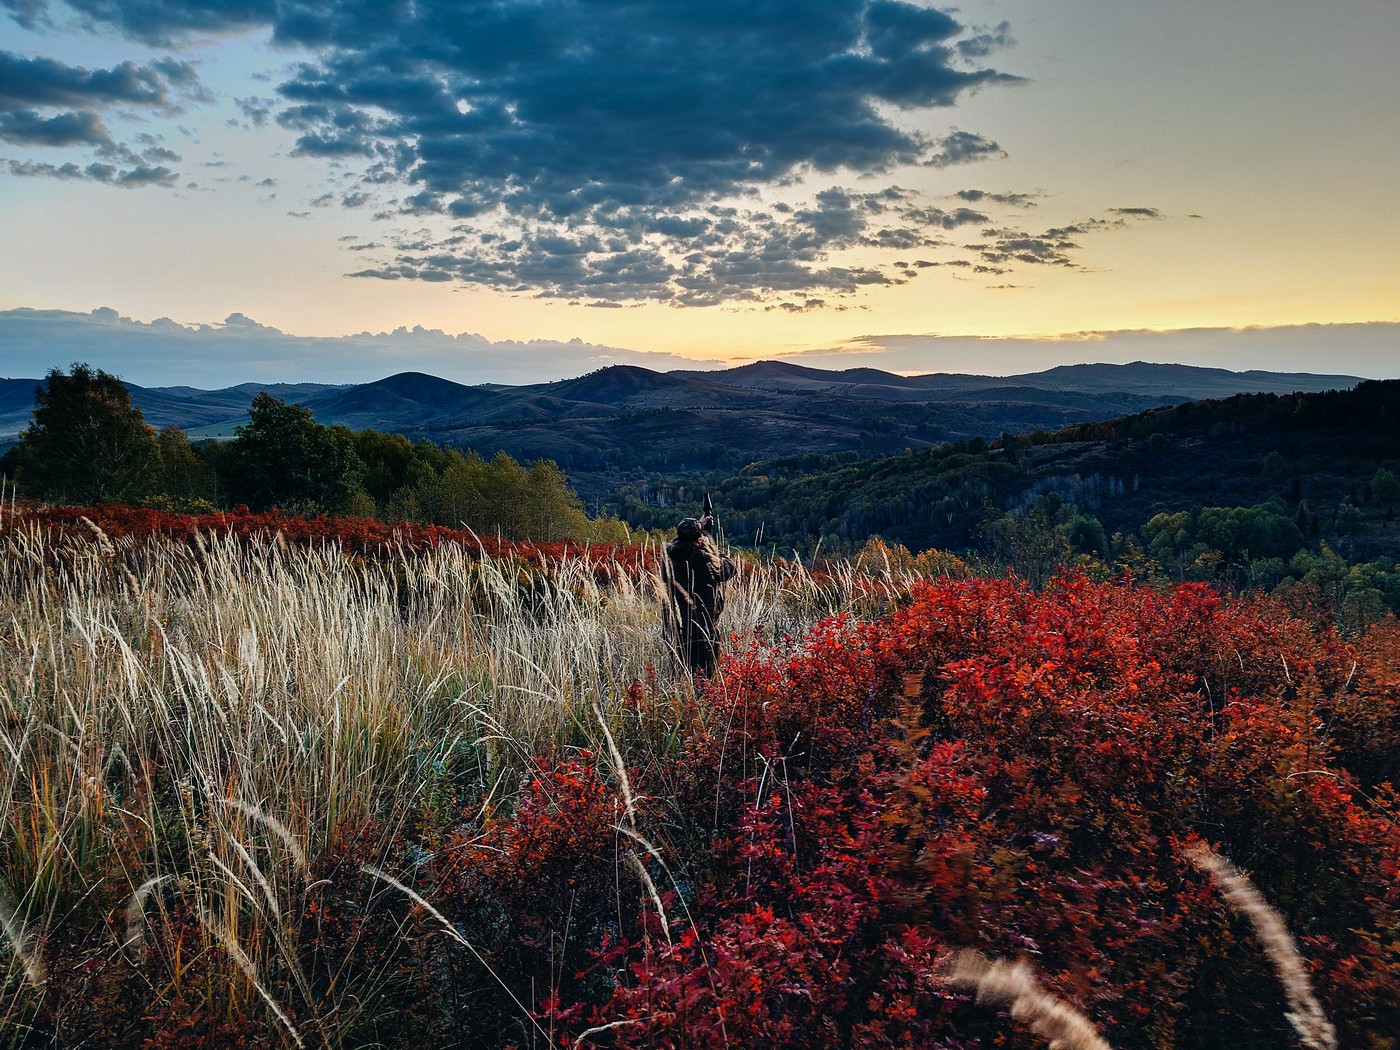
[695, 572]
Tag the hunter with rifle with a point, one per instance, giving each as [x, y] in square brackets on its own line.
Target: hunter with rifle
[695, 571]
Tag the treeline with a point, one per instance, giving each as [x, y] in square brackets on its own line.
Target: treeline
[1320, 454]
[1259, 548]
[88, 444]
[1295, 492]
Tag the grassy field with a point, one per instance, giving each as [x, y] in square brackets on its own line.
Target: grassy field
[258, 790]
[188, 724]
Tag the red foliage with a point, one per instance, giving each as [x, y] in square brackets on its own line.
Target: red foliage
[1032, 800]
[365, 537]
[537, 894]
[984, 767]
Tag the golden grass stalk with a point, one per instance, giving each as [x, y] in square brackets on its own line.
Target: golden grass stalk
[454, 934]
[136, 911]
[19, 944]
[1001, 983]
[240, 958]
[230, 709]
[1314, 1029]
[274, 825]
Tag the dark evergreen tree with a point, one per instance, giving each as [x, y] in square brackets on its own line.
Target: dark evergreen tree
[88, 443]
[283, 458]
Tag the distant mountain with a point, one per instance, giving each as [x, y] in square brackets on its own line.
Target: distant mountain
[859, 382]
[392, 403]
[626, 421]
[631, 388]
[1141, 377]
[240, 395]
[183, 406]
[16, 405]
[1180, 382]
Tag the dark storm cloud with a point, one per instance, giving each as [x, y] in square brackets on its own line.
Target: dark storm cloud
[44, 82]
[144, 175]
[612, 128]
[715, 255]
[1003, 247]
[727, 254]
[155, 154]
[1041, 251]
[48, 103]
[157, 22]
[985, 42]
[562, 109]
[33, 169]
[947, 220]
[800, 306]
[963, 147]
[131, 178]
[256, 111]
[28, 128]
[1015, 200]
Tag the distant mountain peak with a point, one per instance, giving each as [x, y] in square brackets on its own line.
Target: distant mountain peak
[415, 381]
[1196, 381]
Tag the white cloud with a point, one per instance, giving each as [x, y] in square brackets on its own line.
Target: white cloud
[239, 350]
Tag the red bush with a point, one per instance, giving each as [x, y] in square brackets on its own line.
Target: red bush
[1033, 799]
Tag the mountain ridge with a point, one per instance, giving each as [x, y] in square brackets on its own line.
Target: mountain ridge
[625, 420]
[1134, 377]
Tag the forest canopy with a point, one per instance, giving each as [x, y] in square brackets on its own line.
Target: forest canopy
[88, 444]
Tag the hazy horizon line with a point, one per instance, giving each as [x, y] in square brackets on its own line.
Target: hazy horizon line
[217, 355]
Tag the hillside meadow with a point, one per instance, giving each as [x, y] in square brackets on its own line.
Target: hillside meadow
[272, 780]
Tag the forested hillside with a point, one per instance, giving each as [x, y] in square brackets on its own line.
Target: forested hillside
[1232, 490]
[626, 425]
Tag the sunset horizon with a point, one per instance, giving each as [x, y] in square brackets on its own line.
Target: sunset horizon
[992, 188]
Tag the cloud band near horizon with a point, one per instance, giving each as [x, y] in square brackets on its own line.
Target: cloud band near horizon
[238, 350]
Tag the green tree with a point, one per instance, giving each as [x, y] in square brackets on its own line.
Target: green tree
[393, 462]
[283, 458]
[1240, 533]
[88, 443]
[455, 497]
[186, 480]
[1085, 535]
[553, 510]
[1029, 541]
[499, 496]
[1385, 487]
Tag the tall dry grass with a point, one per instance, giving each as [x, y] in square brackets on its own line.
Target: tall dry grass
[185, 726]
[1013, 985]
[1305, 1013]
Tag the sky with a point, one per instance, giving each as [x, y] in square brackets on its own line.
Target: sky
[211, 192]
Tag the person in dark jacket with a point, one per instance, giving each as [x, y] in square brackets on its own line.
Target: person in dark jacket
[695, 572]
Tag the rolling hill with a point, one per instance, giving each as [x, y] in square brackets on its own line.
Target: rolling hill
[625, 422]
[1182, 382]
[1316, 454]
